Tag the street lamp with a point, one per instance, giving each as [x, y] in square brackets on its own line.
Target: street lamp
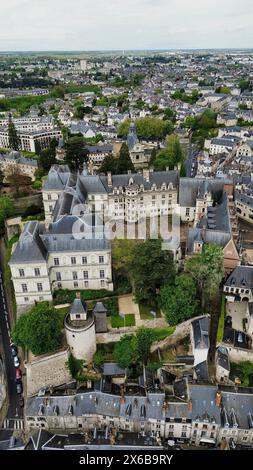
[122, 315]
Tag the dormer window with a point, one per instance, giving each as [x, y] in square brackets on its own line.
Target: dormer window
[131, 181]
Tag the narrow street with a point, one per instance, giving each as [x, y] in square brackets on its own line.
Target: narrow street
[14, 410]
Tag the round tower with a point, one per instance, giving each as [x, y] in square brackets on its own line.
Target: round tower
[80, 331]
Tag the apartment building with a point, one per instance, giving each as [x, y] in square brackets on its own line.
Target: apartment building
[29, 139]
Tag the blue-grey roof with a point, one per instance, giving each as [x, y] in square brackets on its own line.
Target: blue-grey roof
[242, 276]
[200, 328]
[30, 247]
[192, 188]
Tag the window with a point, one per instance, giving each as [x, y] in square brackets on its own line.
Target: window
[37, 271]
[183, 434]
[21, 272]
[102, 283]
[24, 287]
[85, 274]
[74, 274]
[56, 261]
[39, 287]
[59, 285]
[50, 208]
[86, 283]
[58, 276]
[49, 197]
[187, 212]
[101, 259]
[26, 299]
[84, 259]
[102, 274]
[75, 284]
[73, 260]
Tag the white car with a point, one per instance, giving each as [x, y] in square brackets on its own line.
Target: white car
[16, 361]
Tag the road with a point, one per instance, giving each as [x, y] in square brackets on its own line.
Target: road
[191, 158]
[14, 410]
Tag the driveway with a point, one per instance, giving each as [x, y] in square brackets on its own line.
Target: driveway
[237, 310]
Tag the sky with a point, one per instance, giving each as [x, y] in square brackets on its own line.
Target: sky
[124, 24]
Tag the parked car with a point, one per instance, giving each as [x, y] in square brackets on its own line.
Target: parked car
[14, 350]
[19, 388]
[18, 374]
[16, 361]
[21, 402]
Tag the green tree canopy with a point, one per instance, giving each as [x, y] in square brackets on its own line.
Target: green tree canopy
[39, 330]
[124, 161]
[150, 269]
[122, 254]
[124, 352]
[76, 153]
[147, 127]
[207, 270]
[179, 302]
[172, 155]
[6, 210]
[14, 140]
[143, 340]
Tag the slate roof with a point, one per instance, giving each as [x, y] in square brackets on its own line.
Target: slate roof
[223, 358]
[201, 370]
[208, 236]
[191, 188]
[155, 177]
[113, 369]
[242, 276]
[78, 307]
[99, 308]
[241, 404]
[201, 332]
[57, 178]
[30, 247]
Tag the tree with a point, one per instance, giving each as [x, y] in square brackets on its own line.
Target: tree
[179, 302]
[150, 269]
[124, 352]
[147, 127]
[143, 339]
[76, 153]
[14, 140]
[39, 330]
[223, 89]
[124, 162]
[6, 210]
[47, 159]
[169, 114]
[109, 164]
[18, 181]
[2, 176]
[172, 155]
[122, 254]
[207, 270]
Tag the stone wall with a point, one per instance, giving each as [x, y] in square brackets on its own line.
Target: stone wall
[47, 371]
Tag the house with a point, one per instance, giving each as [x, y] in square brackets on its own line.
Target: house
[31, 139]
[222, 365]
[15, 161]
[244, 205]
[200, 346]
[240, 284]
[245, 149]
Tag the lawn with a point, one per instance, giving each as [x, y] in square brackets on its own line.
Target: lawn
[220, 330]
[145, 312]
[117, 321]
[162, 333]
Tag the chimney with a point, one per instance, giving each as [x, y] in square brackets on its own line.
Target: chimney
[109, 178]
[146, 174]
[190, 406]
[218, 399]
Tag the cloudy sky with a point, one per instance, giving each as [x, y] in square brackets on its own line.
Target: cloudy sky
[124, 24]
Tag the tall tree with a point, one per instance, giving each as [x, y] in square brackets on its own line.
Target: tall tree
[76, 153]
[207, 270]
[109, 164]
[14, 140]
[150, 269]
[124, 162]
[124, 352]
[144, 339]
[39, 330]
[179, 302]
[6, 210]
[18, 181]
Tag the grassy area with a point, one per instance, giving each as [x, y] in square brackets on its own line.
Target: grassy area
[162, 333]
[21, 103]
[145, 312]
[118, 322]
[244, 371]
[220, 330]
[62, 313]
